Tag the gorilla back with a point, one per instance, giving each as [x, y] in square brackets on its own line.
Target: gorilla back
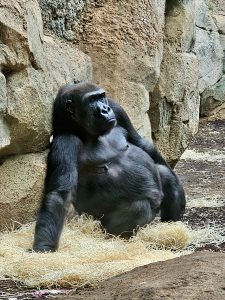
[100, 163]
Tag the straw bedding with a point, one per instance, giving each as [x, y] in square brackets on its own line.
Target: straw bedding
[87, 255]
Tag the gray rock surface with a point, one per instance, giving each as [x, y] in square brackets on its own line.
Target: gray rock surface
[21, 182]
[33, 68]
[126, 51]
[174, 109]
[213, 98]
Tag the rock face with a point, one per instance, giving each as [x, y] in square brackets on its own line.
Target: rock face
[193, 62]
[198, 276]
[62, 16]
[157, 58]
[113, 44]
[32, 69]
[174, 102]
[213, 97]
[21, 181]
[207, 47]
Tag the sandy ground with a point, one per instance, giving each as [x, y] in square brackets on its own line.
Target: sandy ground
[202, 170]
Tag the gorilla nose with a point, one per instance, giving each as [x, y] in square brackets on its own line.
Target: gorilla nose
[105, 109]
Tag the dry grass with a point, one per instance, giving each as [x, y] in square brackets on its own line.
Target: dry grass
[87, 255]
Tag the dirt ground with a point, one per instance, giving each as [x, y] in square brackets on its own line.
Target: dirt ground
[202, 170]
[204, 178]
[200, 276]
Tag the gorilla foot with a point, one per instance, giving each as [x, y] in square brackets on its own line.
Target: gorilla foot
[44, 248]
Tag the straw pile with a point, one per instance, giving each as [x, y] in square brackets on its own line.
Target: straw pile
[87, 255]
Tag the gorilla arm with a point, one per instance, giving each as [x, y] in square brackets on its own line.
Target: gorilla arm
[133, 137]
[60, 187]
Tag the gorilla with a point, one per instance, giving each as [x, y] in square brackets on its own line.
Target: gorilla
[100, 164]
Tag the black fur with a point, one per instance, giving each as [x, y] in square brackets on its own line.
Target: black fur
[100, 163]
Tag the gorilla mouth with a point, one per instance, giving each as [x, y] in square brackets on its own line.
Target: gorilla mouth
[112, 122]
[108, 125]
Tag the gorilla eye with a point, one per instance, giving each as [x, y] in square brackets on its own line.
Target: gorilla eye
[69, 106]
[98, 97]
[94, 98]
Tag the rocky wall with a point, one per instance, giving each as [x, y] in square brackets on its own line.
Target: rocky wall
[164, 61]
[193, 60]
[32, 68]
[213, 97]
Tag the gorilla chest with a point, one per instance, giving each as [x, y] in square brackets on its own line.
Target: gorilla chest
[104, 149]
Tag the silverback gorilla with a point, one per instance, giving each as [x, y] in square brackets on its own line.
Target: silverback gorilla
[100, 163]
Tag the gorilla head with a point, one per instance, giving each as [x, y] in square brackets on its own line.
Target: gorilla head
[87, 107]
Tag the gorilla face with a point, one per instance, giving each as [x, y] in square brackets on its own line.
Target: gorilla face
[91, 110]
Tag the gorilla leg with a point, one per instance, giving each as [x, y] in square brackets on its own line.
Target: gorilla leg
[127, 216]
[173, 202]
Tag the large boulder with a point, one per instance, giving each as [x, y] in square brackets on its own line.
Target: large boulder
[174, 102]
[21, 181]
[213, 25]
[207, 47]
[192, 63]
[126, 51]
[218, 14]
[213, 100]
[33, 67]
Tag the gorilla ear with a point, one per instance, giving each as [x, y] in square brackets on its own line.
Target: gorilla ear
[69, 106]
